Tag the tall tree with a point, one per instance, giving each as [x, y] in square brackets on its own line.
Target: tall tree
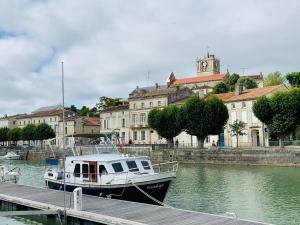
[84, 111]
[28, 133]
[247, 82]
[237, 129]
[73, 108]
[204, 117]
[294, 78]
[43, 132]
[167, 122]
[274, 78]
[3, 134]
[220, 87]
[231, 80]
[14, 134]
[106, 102]
[280, 113]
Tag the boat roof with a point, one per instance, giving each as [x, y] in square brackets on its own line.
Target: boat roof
[104, 157]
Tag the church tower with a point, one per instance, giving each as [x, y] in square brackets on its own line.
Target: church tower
[208, 65]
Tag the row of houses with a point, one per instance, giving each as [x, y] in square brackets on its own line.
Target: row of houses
[129, 120]
[74, 125]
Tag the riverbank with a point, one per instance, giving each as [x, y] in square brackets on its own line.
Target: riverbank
[250, 156]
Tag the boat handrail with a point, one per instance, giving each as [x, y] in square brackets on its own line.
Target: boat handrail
[173, 165]
[16, 168]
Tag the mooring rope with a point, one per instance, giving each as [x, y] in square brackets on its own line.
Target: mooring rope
[149, 196]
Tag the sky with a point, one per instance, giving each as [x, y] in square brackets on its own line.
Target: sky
[110, 47]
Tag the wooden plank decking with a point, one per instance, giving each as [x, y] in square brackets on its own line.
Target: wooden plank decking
[110, 211]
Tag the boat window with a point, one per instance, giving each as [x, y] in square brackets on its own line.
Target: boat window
[146, 165]
[77, 170]
[85, 170]
[102, 170]
[132, 166]
[117, 167]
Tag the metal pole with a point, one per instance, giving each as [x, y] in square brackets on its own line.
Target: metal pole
[63, 119]
[63, 101]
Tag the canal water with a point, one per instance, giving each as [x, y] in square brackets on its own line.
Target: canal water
[260, 193]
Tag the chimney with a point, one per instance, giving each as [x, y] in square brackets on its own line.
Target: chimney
[156, 86]
[238, 89]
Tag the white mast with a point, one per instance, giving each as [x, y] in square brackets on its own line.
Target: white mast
[63, 102]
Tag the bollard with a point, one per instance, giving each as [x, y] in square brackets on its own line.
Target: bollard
[77, 199]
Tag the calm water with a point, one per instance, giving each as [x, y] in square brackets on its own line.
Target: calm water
[267, 194]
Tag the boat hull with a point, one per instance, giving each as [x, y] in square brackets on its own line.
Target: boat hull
[157, 190]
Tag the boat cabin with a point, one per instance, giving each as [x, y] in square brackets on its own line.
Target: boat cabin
[103, 168]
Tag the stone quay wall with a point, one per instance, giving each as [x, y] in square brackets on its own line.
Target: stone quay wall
[246, 156]
[249, 156]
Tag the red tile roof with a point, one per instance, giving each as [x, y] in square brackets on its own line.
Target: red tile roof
[44, 113]
[250, 94]
[91, 121]
[87, 121]
[199, 79]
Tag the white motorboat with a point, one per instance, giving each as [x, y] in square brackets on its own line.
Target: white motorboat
[9, 175]
[114, 175]
[11, 156]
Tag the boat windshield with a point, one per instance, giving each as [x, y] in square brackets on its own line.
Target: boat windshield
[103, 145]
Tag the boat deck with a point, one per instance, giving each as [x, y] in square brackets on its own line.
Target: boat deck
[110, 211]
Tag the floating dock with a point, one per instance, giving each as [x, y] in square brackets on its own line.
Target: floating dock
[98, 210]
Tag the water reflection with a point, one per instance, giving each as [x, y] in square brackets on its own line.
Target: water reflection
[268, 194]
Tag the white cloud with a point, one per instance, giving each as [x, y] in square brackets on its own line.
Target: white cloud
[109, 46]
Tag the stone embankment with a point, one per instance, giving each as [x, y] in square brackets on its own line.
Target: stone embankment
[246, 156]
[289, 156]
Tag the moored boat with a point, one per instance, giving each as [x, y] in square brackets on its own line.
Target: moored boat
[114, 175]
[11, 156]
[9, 175]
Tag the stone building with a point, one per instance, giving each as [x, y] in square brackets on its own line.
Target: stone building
[142, 100]
[208, 75]
[10, 121]
[239, 105]
[51, 116]
[79, 127]
[115, 120]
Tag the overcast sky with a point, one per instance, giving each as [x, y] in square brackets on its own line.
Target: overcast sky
[109, 47]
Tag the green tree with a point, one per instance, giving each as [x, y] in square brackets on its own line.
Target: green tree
[294, 78]
[14, 134]
[237, 129]
[3, 134]
[84, 111]
[204, 117]
[220, 87]
[73, 108]
[247, 82]
[167, 122]
[106, 102]
[28, 133]
[231, 80]
[280, 113]
[274, 78]
[43, 132]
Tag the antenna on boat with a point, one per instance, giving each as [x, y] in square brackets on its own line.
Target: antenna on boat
[63, 119]
[63, 102]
